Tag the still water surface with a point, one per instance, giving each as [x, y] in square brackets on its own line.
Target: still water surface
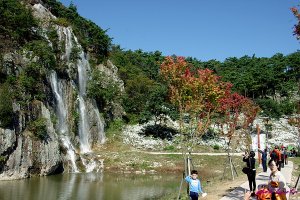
[91, 186]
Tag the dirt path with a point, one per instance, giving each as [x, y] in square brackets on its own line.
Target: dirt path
[201, 154]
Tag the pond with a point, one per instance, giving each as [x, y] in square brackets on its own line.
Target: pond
[90, 186]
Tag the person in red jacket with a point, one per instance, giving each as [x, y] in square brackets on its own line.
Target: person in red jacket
[276, 156]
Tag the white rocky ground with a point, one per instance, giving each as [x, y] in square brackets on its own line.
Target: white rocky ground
[282, 133]
[132, 137]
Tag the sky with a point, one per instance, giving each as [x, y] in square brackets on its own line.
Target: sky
[203, 29]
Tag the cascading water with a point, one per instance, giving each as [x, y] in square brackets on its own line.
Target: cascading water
[84, 129]
[61, 111]
[62, 119]
[70, 152]
[100, 126]
[66, 35]
[89, 164]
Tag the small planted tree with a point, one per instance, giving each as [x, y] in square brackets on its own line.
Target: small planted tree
[201, 97]
[232, 107]
[196, 95]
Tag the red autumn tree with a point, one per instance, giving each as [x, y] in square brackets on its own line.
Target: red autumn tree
[231, 108]
[297, 26]
[199, 97]
[196, 96]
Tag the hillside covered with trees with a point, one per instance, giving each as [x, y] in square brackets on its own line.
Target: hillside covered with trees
[270, 82]
[63, 81]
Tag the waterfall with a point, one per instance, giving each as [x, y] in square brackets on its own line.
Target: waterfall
[100, 126]
[83, 66]
[65, 34]
[84, 129]
[70, 152]
[85, 110]
[60, 110]
[62, 119]
[90, 165]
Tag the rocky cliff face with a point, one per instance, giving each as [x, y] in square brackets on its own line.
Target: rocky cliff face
[58, 133]
[24, 155]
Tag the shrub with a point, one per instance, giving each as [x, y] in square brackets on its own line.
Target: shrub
[114, 127]
[216, 147]
[274, 109]
[2, 158]
[39, 128]
[169, 148]
[158, 131]
[53, 37]
[103, 89]
[61, 22]
[2, 162]
[74, 55]
[209, 135]
[16, 21]
[287, 107]
[30, 86]
[6, 109]
[45, 54]
[270, 107]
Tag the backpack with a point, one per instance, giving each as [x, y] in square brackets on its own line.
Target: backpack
[274, 155]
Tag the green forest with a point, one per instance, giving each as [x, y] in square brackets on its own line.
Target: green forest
[271, 82]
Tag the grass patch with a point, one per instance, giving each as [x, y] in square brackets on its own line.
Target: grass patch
[115, 128]
[120, 158]
[296, 170]
[170, 148]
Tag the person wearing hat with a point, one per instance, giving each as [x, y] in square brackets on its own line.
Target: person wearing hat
[250, 161]
[277, 183]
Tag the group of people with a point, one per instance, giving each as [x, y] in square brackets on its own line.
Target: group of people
[276, 188]
[280, 156]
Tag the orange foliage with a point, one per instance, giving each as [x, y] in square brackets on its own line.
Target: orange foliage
[203, 94]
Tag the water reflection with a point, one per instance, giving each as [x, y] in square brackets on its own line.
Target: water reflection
[92, 186]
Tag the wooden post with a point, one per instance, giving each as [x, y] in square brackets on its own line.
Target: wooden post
[186, 173]
[189, 165]
[297, 182]
[188, 169]
[231, 168]
[258, 142]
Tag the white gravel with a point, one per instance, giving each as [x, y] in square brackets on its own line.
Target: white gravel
[282, 133]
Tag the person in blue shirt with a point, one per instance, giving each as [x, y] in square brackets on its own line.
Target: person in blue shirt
[264, 155]
[194, 185]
